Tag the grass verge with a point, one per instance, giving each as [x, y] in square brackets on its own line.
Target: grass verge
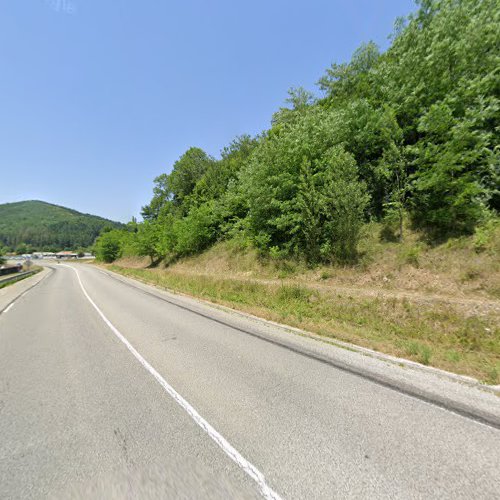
[434, 334]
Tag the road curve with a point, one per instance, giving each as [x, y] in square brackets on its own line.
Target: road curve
[108, 391]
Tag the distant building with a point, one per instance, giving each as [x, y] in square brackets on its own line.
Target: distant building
[66, 255]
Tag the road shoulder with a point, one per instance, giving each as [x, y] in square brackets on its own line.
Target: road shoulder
[459, 394]
[9, 294]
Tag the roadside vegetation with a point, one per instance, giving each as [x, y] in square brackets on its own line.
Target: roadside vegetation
[30, 226]
[387, 181]
[438, 305]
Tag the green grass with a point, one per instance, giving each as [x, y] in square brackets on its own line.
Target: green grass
[431, 333]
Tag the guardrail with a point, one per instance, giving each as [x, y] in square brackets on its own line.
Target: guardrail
[4, 270]
[15, 277]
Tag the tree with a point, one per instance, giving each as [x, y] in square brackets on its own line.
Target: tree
[148, 240]
[187, 171]
[196, 231]
[343, 199]
[3, 251]
[352, 80]
[108, 246]
[21, 249]
[214, 182]
[448, 194]
[300, 184]
[409, 132]
[162, 195]
[300, 99]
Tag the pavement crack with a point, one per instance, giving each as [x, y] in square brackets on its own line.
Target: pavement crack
[122, 441]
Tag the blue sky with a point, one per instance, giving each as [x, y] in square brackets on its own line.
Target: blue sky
[98, 97]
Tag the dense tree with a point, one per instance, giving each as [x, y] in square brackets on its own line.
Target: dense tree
[414, 130]
[108, 247]
[43, 226]
[162, 196]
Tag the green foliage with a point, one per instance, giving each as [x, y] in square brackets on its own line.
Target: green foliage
[343, 199]
[449, 194]
[300, 99]
[196, 231]
[410, 133]
[162, 195]
[187, 171]
[442, 77]
[148, 240]
[487, 237]
[303, 192]
[36, 225]
[422, 352]
[411, 255]
[343, 82]
[108, 246]
[21, 249]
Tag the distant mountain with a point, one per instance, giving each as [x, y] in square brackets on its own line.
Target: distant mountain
[44, 226]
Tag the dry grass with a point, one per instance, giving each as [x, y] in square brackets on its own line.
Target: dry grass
[431, 334]
[453, 270]
[134, 262]
[436, 305]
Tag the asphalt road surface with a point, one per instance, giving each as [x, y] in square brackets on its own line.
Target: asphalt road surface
[109, 389]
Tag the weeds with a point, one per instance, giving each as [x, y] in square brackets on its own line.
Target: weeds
[428, 333]
[422, 353]
[411, 255]
[452, 356]
[492, 376]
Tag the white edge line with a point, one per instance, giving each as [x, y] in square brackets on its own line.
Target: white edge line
[356, 349]
[9, 307]
[231, 452]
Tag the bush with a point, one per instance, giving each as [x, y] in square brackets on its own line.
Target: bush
[305, 199]
[487, 235]
[344, 199]
[411, 255]
[108, 246]
[196, 231]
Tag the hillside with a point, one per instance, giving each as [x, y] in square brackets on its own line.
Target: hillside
[407, 134]
[435, 304]
[42, 225]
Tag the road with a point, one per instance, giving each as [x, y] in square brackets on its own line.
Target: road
[110, 389]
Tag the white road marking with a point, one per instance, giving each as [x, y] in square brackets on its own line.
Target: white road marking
[266, 491]
[21, 296]
[7, 309]
[402, 393]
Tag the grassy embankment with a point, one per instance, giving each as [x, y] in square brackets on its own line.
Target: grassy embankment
[436, 305]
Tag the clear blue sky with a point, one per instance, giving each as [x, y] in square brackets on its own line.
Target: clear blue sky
[97, 97]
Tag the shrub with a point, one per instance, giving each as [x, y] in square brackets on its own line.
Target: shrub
[411, 254]
[108, 246]
[196, 231]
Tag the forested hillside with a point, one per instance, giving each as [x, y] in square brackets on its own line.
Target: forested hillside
[407, 138]
[28, 225]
